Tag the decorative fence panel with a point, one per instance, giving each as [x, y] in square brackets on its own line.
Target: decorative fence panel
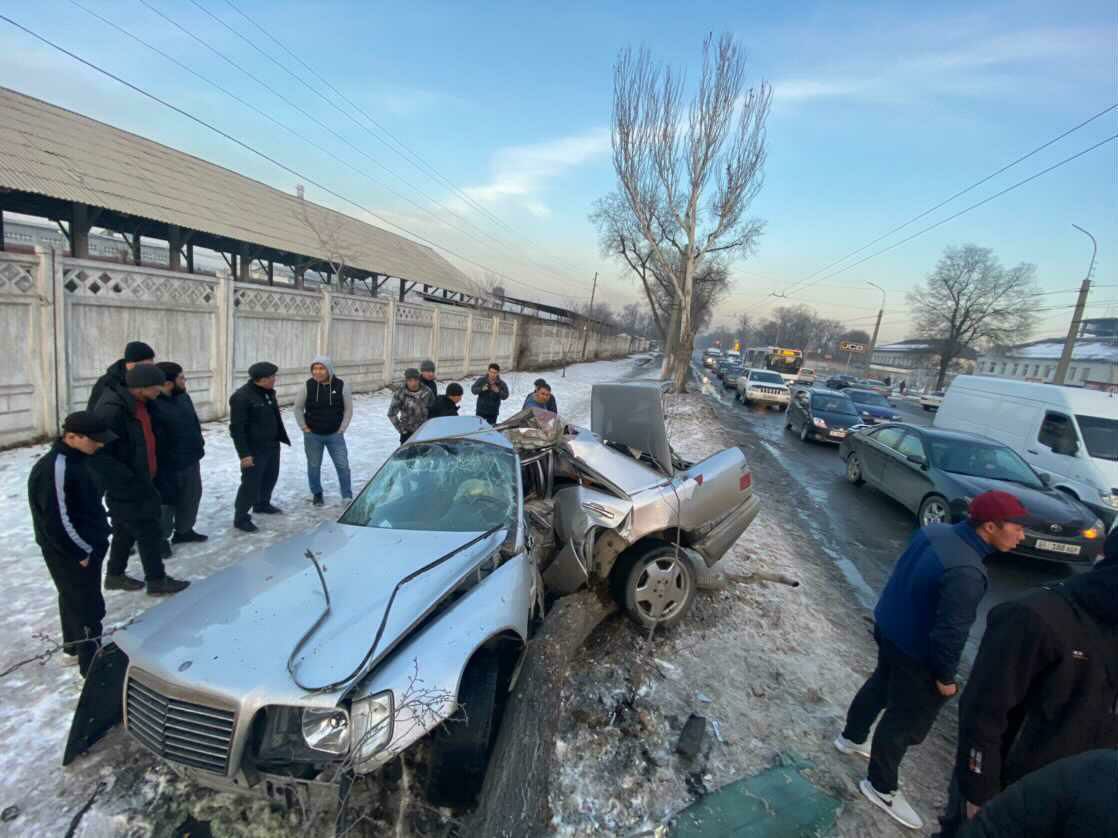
[415, 332]
[451, 345]
[25, 392]
[505, 344]
[481, 343]
[280, 325]
[356, 343]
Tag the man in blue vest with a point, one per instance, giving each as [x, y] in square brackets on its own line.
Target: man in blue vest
[324, 407]
[922, 621]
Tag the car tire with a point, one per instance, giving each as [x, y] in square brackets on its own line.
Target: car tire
[656, 587]
[805, 434]
[932, 509]
[460, 746]
[854, 474]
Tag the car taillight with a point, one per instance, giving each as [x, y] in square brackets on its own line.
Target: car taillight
[746, 481]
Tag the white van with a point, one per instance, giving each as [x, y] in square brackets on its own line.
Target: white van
[1068, 432]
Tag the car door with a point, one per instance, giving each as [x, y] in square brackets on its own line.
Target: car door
[878, 448]
[905, 480]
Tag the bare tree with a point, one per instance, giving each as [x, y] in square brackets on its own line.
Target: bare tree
[700, 169]
[970, 300]
[337, 247]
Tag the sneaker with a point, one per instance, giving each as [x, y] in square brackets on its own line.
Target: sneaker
[246, 525]
[845, 746]
[895, 804]
[317, 499]
[347, 498]
[188, 537]
[166, 585]
[267, 509]
[124, 582]
[70, 660]
[165, 549]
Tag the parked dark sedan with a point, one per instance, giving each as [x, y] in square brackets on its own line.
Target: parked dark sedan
[840, 381]
[935, 473]
[821, 414]
[730, 374]
[873, 407]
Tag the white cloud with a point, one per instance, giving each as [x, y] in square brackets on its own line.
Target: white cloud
[520, 173]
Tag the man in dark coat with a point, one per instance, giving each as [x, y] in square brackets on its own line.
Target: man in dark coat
[1075, 797]
[257, 429]
[447, 404]
[427, 377]
[135, 353]
[1044, 686]
[323, 409]
[541, 398]
[922, 621]
[180, 449]
[134, 502]
[490, 390]
[72, 530]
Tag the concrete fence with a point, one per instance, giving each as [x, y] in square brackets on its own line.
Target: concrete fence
[63, 321]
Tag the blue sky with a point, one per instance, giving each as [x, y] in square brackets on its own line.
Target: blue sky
[880, 111]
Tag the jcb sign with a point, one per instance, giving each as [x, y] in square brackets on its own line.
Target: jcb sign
[847, 346]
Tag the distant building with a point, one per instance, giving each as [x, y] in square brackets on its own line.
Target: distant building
[1094, 360]
[916, 362]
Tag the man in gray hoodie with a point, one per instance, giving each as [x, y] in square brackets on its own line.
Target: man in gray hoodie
[324, 407]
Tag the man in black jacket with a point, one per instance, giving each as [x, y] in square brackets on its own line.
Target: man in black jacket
[323, 409]
[1044, 686]
[135, 353]
[72, 530]
[180, 449]
[1075, 797]
[257, 429]
[490, 390]
[134, 502]
[427, 377]
[447, 404]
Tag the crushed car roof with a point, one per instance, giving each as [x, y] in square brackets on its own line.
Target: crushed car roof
[449, 427]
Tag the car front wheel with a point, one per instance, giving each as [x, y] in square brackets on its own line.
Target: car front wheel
[854, 470]
[933, 511]
[657, 587]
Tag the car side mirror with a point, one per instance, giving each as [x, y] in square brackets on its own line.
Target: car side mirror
[916, 460]
[1044, 478]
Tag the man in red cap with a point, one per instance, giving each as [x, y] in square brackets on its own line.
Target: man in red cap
[922, 621]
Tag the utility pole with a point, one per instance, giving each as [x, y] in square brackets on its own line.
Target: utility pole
[589, 314]
[1077, 317]
[876, 327]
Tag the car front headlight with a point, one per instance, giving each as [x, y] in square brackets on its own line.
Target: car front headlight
[372, 725]
[1110, 499]
[1096, 530]
[326, 729]
[819, 423]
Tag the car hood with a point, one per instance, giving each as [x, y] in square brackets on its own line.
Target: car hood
[233, 632]
[1046, 506]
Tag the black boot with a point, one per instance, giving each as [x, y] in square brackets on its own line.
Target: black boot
[246, 525]
[267, 509]
[187, 537]
[166, 585]
[317, 500]
[124, 582]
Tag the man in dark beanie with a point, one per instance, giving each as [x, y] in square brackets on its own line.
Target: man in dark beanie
[133, 501]
[410, 405]
[72, 530]
[135, 353]
[447, 404]
[1044, 686]
[180, 448]
[257, 429]
[427, 377]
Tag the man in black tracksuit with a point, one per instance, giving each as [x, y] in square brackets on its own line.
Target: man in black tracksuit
[72, 530]
[135, 353]
[180, 449]
[1044, 686]
[134, 502]
[1075, 797]
[447, 404]
[490, 390]
[257, 429]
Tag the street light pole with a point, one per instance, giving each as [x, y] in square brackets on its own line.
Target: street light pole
[1077, 317]
[876, 326]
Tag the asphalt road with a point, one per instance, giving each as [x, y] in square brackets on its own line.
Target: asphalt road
[859, 529]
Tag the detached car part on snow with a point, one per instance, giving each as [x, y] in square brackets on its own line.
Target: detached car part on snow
[329, 654]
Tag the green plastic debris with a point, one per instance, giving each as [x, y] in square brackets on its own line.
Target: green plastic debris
[777, 803]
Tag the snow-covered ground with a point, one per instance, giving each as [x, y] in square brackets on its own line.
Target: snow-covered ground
[134, 795]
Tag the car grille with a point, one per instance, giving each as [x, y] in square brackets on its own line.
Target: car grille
[180, 731]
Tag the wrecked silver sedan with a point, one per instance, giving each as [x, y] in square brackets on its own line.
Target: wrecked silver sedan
[326, 656]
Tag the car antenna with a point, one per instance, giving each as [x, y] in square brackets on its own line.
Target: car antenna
[322, 579]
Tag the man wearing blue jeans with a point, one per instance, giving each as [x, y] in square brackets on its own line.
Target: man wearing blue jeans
[324, 407]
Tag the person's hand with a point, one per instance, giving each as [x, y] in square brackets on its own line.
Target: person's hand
[247, 462]
[84, 562]
[306, 429]
[972, 810]
[947, 690]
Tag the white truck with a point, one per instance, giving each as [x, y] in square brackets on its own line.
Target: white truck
[1068, 432]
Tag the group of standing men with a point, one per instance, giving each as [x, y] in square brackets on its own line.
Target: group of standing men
[1038, 717]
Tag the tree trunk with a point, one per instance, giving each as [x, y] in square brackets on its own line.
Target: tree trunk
[514, 797]
[944, 362]
[681, 366]
[681, 371]
[671, 340]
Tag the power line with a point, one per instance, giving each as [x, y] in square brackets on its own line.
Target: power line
[958, 194]
[263, 155]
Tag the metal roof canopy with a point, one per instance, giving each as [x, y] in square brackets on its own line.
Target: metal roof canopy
[53, 160]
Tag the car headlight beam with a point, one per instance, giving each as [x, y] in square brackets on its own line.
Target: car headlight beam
[818, 422]
[326, 729]
[1096, 530]
[372, 724]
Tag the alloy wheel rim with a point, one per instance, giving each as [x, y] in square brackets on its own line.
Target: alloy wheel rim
[662, 589]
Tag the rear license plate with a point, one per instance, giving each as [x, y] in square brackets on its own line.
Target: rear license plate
[1057, 547]
[838, 434]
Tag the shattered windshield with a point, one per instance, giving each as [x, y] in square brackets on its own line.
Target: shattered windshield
[450, 486]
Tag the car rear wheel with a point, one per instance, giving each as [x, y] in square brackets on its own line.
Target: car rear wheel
[934, 510]
[656, 587]
[460, 747]
[854, 470]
